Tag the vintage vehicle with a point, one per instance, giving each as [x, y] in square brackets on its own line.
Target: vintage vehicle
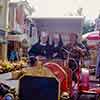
[41, 83]
[47, 79]
[50, 80]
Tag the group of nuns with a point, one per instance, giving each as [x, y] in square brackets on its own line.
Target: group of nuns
[45, 49]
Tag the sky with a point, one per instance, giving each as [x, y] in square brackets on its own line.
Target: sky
[49, 8]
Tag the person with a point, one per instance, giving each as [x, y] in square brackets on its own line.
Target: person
[56, 46]
[41, 48]
[76, 51]
[13, 55]
[98, 62]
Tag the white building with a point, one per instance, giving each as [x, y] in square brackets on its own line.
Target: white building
[4, 10]
[17, 14]
[18, 11]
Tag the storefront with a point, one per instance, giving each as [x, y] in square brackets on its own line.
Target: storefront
[16, 42]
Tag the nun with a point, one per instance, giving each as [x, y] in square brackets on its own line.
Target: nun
[56, 46]
[41, 48]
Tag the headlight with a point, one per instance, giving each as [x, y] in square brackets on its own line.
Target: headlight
[65, 96]
[8, 97]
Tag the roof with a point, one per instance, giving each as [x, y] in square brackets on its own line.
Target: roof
[28, 8]
[60, 24]
[56, 17]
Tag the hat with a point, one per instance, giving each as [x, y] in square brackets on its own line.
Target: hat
[56, 35]
[44, 34]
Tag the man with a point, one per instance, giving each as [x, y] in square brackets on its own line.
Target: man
[41, 48]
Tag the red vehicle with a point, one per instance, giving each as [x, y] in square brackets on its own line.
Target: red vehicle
[59, 73]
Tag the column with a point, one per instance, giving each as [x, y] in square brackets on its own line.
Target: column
[6, 14]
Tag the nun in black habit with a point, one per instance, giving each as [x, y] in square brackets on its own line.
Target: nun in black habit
[41, 48]
[56, 46]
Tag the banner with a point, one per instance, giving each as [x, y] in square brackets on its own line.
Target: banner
[19, 21]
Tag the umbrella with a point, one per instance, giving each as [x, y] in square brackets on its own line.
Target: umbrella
[92, 38]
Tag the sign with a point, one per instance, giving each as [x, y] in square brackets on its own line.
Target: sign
[17, 22]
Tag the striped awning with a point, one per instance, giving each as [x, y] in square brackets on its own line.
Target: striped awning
[92, 38]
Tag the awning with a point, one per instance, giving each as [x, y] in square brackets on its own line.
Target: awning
[19, 38]
[90, 34]
[92, 38]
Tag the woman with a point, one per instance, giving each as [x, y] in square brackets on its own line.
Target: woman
[41, 48]
[76, 52]
[77, 49]
[56, 47]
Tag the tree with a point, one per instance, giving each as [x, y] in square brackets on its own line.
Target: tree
[88, 26]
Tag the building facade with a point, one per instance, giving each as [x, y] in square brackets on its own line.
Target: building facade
[4, 10]
[19, 28]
